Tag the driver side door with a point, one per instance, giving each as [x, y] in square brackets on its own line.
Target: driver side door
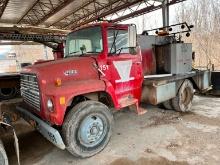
[124, 67]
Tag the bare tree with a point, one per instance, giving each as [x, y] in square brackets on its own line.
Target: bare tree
[205, 16]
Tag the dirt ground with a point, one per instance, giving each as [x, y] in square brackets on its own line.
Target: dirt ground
[157, 137]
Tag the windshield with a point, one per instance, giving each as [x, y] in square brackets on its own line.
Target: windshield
[84, 41]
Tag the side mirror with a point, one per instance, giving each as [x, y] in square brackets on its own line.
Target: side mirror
[132, 36]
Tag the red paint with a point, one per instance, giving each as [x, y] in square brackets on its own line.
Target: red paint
[148, 62]
[58, 53]
[87, 78]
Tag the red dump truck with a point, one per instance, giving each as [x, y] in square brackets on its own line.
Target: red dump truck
[107, 66]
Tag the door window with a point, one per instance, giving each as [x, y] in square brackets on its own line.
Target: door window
[117, 41]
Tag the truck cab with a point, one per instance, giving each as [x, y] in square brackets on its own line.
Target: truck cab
[97, 58]
[117, 61]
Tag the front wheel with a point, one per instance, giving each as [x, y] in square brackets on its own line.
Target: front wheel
[87, 128]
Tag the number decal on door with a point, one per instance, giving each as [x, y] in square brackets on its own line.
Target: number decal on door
[104, 67]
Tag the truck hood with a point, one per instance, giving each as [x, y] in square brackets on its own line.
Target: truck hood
[73, 68]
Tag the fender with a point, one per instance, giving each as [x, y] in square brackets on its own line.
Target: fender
[67, 91]
[74, 88]
[111, 91]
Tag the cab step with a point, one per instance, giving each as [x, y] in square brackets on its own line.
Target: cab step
[132, 103]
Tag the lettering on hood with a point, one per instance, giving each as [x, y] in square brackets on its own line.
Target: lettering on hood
[70, 72]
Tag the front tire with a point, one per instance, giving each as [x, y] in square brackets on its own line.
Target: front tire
[87, 128]
[183, 101]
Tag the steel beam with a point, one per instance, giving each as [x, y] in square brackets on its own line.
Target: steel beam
[19, 43]
[144, 11]
[33, 30]
[74, 12]
[91, 10]
[41, 10]
[117, 8]
[88, 13]
[3, 5]
[32, 37]
[137, 13]
[28, 11]
[54, 11]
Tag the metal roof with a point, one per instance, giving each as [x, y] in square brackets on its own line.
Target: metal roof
[71, 14]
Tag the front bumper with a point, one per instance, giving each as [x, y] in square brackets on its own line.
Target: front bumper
[45, 129]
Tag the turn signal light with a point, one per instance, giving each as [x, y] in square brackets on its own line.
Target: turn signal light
[62, 100]
[58, 82]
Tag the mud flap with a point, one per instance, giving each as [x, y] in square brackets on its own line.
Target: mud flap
[16, 145]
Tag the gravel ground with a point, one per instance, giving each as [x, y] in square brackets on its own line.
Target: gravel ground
[157, 137]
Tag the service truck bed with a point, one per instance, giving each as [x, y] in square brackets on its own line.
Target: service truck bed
[159, 88]
[166, 78]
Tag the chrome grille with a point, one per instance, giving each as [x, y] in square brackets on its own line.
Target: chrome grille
[30, 90]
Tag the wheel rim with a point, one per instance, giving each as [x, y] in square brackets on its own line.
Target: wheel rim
[92, 130]
[186, 96]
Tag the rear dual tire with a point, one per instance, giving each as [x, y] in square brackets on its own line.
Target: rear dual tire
[87, 128]
[183, 101]
[168, 105]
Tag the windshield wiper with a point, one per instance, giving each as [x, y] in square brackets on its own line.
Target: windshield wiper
[113, 44]
[73, 52]
[120, 49]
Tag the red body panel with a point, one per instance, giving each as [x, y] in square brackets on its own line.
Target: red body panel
[86, 78]
[148, 62]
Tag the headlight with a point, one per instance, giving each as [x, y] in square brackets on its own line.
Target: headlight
[50, 105]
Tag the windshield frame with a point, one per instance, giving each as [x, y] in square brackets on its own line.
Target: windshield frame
[67, 54]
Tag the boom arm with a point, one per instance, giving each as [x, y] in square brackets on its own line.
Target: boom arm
[51, 41]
